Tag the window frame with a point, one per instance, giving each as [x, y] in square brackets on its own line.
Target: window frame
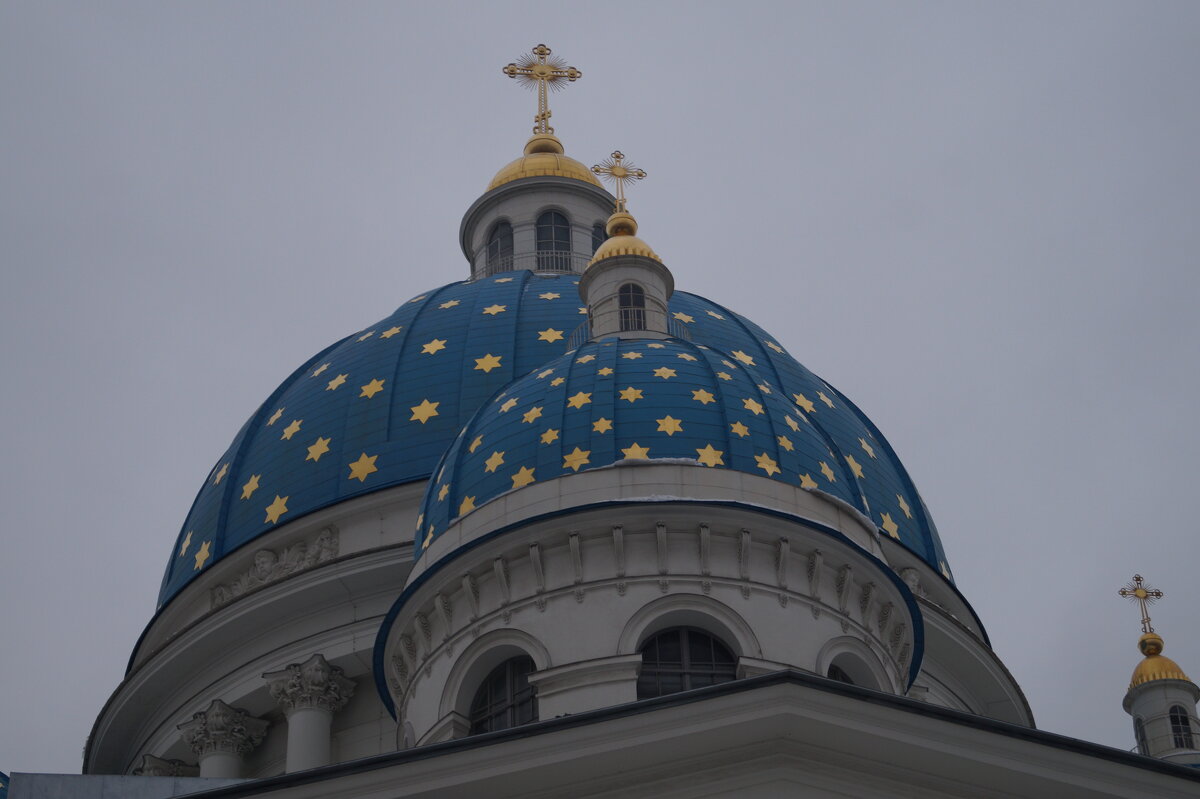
[552, 241]
[504, 697]
[689, 672]
[1181, 727]
[631, 305]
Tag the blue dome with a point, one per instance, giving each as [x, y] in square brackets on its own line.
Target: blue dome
[380, 407]
[618, 401]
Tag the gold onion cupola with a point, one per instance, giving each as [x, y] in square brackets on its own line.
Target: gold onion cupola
[1154, 666]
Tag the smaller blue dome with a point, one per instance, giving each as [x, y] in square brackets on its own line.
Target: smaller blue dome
[613, 401]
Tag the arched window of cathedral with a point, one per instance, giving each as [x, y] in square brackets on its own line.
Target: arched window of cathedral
[598, 236]
[632, 300]
[505, 699]
[1181, 727]
[1139, 732]
[681, 659]
[500, 248]
[836, 672]
[553, 242]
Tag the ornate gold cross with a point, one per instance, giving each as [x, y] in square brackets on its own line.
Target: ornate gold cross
[615, 170]
[543, 72]
[1144, 596]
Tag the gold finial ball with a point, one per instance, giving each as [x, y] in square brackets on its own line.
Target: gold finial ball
[543, 143]
[621, 223]
[1150, 644]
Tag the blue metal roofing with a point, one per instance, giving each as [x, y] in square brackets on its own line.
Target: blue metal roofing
[380, 407]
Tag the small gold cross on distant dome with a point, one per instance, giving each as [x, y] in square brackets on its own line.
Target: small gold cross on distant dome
[615, 169]
[543, 72]
[1144, 596]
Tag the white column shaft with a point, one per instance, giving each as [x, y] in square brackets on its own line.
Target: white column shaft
[308, 743]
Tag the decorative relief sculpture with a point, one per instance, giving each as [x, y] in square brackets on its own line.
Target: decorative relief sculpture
[158, 767]
[222, 728]
[270, 566]
[313, 683]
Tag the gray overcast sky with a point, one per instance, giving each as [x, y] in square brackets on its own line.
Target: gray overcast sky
[977, 220]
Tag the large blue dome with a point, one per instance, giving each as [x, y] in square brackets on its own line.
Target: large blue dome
[380, 407]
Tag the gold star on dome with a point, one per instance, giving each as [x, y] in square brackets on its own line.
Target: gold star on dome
[428, 538]
[792, 423]
[424, 412]
[685, 356]
[417, 299]
[631, 394]
[319, 448]
[889, 525]
[752, 406]
[604, 371]
[764, 388]
[545, 373]
[664, 372]
[828, 472]
[583, 310]
[743, 357]
[739, 429]
[585, 358]
[443, 491]
[523, 477]
[579, 400]
[710, 456]
[724, 375]
[806, 481]
[275, 416]
[276, 509]
[682, 317]
[703, 397]
[867, 447]
[503, 280]
[578, 457]
[602, 425]
[251, 486]
[550, 334]
[785, 442]
[904, 507]
[468, 505]
[549, 295]
[655, 345]
[714, 315]
[494, 461]
[492, 310]
[320, 369]
[434, 346]
[821, 396]
[558, 381]
[202, 555]
[475, 444]
[730, 364]
[187, 542]
[333, 384]
[669, 425]
[366, 335]
[508, 405]
[391, 331]
[372, 388]
[855, 466]
[364, 466]
[636, 452]
[448, 304]
[631, 356]
[774, 346]
[224, 470]
[531, 414]
[804, 402]
[549, 436]
[488, 362]
[766, 463]
[291, 430]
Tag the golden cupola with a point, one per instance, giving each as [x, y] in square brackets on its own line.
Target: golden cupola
[621, 226]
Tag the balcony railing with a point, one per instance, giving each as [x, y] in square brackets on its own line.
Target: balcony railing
[540, 261]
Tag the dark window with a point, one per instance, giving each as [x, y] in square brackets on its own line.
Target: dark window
[553, 242]
[505, 699]
[1139, 732]
[632, 300]
[500, 249]
[838, 673]
[681, 659]
[1181, 727]
[598, 236]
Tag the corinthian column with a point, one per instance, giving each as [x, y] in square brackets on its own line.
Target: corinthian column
[220, 736]
[309, 693]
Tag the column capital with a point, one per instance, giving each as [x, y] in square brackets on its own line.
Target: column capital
[311, 684]
[221, 728]
[159, 767]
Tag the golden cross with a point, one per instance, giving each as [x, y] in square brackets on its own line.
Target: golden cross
[615, 169]
[545, 73]
[1144, 596]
